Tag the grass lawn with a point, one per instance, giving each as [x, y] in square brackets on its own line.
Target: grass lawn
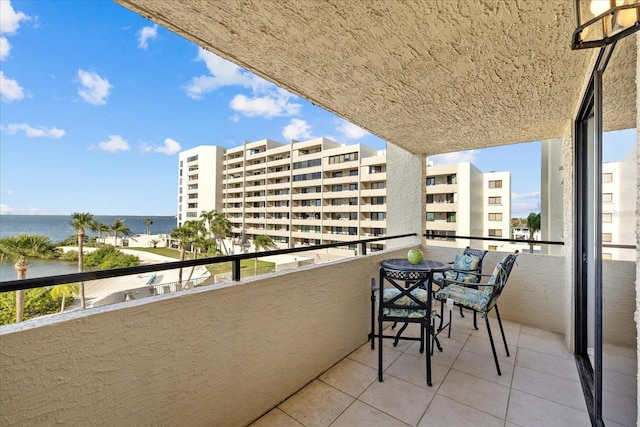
[247, 266]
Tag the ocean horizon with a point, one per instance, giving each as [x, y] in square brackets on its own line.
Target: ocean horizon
[57, 228]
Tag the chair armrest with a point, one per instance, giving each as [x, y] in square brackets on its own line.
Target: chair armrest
[447, 282]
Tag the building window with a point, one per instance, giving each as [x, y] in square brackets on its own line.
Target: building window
[451, 217]
[607, 217]
[493, 247]
[431, 216]
[606, 256]
[606, 237]
[377, 200]
[376, 169]
[353, 172]
[378, 185]
[353, 201]
[353, 216]
[431, 180]
[192, 214]
[336, 188]
[352, 231]
[452, 179]
[429, 198]
[337, 175]
[495, 184]
[343, 158]
[607, 198]
[495, 232]
[192, 158]
[377, 216]
[607, 177]
[353, 187]
[497, 200]
[495, 217]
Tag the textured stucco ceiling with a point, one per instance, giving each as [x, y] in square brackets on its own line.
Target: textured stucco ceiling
[429, 76]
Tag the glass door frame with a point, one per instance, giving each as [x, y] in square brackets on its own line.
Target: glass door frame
[588, 236]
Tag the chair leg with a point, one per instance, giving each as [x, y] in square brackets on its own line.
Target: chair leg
[504, 338]
[372, 336]
[461, 313]
[493, 347]
[427, 325]
[379, 350]
[475, 320]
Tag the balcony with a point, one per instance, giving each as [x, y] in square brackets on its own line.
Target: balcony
[144, 362]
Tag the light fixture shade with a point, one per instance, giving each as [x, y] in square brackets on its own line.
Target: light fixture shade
[602, 22]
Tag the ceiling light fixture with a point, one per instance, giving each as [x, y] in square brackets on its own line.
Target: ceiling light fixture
[602, 22]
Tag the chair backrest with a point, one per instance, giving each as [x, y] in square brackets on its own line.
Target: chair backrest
[480, 253]
[467, 267]
[401, 294]
[498, 279]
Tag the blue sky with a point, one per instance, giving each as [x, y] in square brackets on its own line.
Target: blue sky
[96, 102]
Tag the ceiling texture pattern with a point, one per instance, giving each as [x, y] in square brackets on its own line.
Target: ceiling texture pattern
[428, 76]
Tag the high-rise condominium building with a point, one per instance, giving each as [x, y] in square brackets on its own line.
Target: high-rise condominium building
[320, 191]
[463, 201]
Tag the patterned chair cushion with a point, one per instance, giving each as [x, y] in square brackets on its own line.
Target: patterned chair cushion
[461, 262]
[474, 299]
[390, 293]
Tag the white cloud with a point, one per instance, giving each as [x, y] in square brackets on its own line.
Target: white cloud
[93, 88]
[170, 146]
[10, 90]
[266, 100]
[269, 106]
[146, 34]
[31, 132]
[221, 73]
[9, 18]
[145, 147]
[5, 48]
[351, 131]
[7, 192]
[298, 130]
[235, 118]
[9, 210]
[457, 157]
[532, 195]
[114, 144]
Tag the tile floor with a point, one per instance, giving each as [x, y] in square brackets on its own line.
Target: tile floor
[539, 385]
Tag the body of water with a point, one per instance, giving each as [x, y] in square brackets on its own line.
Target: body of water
[57, 228]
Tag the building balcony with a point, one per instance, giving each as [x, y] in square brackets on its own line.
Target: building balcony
[442, 207]
[371, 177]
[145, 358]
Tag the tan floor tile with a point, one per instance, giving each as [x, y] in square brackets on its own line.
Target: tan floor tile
[483, 347]
[480, 394]
[552, 344]
[444, 412]
[549, 364]
[621, 364]
[529, 330]
[362, 415]
[413, 369]
[369, 357]
[551, 387]
[513, 335]
[398, 398]
[318, 404]
[350, 377]
[484, 367]
[618, 383]
[620, 409]
[276, 417]
[527, 410]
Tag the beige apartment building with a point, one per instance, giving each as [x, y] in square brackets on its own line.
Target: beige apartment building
[463, 201]
[199, 181]
[320, 191]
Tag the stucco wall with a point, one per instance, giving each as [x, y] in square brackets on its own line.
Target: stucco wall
[223, 356]
[205, 357]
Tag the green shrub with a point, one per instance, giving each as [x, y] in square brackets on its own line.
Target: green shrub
[69, 256]
[108, 257]
[37, 302]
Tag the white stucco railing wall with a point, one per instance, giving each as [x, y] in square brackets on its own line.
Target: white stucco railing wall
[225, 356]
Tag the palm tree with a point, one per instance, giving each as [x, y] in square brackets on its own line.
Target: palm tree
[80, 222]
[64, 292]
[208, 217]
[221, 228]
[148, 222]
[118, 227]
[18, 248]
[183, 235]
[263, 242]
[103, 228]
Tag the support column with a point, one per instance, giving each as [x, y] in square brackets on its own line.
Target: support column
[406, 189]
